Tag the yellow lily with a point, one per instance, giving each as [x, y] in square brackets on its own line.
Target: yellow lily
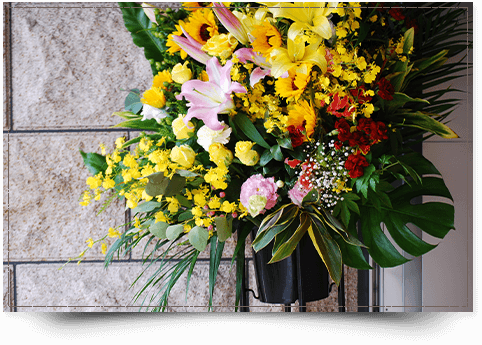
[296, 53]
[310, 16]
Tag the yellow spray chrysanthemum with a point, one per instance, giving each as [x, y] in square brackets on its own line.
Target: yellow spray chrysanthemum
[202, 25]
[303, 112]
[267, 38]
[154, 97]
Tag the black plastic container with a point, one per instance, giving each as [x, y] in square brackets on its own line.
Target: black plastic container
[302, 276]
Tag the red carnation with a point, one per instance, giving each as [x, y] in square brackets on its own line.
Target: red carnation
[343, 128]
[361, 140]
[355, 164]
[385, 89]
[338, 145]
[305, 176]
[412, 23]
[296, 135]
[379, 132]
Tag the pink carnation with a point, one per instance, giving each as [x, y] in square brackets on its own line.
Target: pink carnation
[297, 193]
[258, 185]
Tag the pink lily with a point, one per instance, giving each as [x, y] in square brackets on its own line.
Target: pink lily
[263, 69]
[208, 99]
[230, 22]
[149, 11]
[192, 47]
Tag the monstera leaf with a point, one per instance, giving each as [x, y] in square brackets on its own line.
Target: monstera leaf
[434, 218]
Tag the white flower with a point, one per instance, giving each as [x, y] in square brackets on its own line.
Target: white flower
[150, 112]
[206, 136]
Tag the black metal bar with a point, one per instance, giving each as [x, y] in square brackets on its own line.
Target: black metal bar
[287, 308]
[244, 298]
[341, 292]
[363, 283]
[301, 301]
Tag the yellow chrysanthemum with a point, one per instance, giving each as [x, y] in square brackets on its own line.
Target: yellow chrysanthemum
[202, 25]
[303, 112]
[160, 78]
[267, 38]
[154, 97]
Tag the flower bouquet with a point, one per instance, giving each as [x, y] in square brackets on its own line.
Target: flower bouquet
[297, 119]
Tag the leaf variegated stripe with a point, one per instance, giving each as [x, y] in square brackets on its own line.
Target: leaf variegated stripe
[272, 220]
[333, 223]
[287, 248]
[328, 250]
[262, 240]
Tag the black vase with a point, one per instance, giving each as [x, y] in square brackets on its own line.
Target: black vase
[302, 276]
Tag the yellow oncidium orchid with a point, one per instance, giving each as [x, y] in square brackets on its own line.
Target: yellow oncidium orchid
[283, 59]
[310, 16]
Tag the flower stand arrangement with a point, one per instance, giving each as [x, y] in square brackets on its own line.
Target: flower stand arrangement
[296, 119]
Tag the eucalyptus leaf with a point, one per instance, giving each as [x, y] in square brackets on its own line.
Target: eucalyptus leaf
[198, 237]
[173, 231]
[147, 206]
[159, 229]
[223, 228]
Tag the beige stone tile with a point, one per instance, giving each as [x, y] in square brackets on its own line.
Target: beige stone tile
[254, 304]
[69, 65]
[47, 177]
[86, 287]
[6, 65]
[8, 300]
[198, 294]
[5, 197]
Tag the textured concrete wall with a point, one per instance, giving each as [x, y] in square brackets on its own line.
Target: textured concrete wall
[64, 65]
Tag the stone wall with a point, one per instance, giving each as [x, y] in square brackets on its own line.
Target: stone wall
[64, 67]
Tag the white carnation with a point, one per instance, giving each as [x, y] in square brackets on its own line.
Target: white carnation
[206, 136]
[150, 112]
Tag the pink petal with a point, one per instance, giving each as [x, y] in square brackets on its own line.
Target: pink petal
[192, 50]
[244, 54]
[258, 74]
[230, 22]
[208, 115]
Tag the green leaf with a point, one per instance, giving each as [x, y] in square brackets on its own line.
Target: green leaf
[223, 228]
[242, 233]
[184, 216]
[137, 24]
[273, 225]
[148, 125]
[400, 99]
[379, 247]
[214, 261]
[427, 123]
[159, 229]
[160, 185]
[276, 152]
[240, 262]
[191, 269]
[265, 158]
[198, 237]
[247, 127]
[328, 250]
[434, 218]
[362, 182]
[173, 231]
[147, 206]
[95, 162]
[285, 143]
[128, 115]
[289, 246]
